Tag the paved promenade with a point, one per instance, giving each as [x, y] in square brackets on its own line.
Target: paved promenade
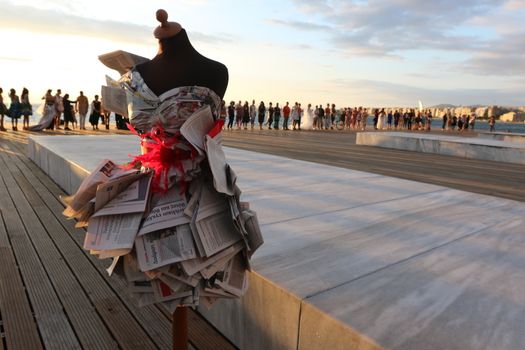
[339, 149]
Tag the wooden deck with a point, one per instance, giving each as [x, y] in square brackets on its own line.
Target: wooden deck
[53, 294]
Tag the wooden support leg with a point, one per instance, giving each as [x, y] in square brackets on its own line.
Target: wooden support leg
[180, 329]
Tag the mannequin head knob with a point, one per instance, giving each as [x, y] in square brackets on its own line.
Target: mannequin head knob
[162, 17]
[166, 29]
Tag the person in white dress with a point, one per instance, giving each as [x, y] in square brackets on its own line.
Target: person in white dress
[307, 122]
[381, 119]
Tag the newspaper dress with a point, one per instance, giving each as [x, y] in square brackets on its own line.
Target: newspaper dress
[171, 219]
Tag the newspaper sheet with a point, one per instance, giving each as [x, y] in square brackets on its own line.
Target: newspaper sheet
[220, 264]
[168, 211]
[165, 247]
[191, 267]
[112, 232]
[112, 82]
[255, 239]
[85, 213]
[114, 265]
[131, 269]
[195, 233]
[146, 299]
[140, 287]
[223, 176]
[175, 272]
[132, 200]
[197, 126]
[163, 292]
[234, 279]
[214, 223]
[114, 99]
[109, 190]
[88, 188]
[121, 61]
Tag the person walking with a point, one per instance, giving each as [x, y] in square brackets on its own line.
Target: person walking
[262, 112]
[14, 109]
[95, 115]
[81, 107]
[26, 108]
[3, 111]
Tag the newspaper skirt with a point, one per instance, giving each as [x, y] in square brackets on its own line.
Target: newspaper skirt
[172, 219]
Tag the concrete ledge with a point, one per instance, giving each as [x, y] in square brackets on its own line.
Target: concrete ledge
[464, 147]
[354, 260]
[503, 136]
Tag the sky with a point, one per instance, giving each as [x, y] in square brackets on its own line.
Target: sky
[351, 53]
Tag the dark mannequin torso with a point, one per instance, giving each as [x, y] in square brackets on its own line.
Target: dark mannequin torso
[179, 64]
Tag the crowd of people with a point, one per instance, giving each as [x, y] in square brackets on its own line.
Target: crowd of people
[243, 115]
[56, 110]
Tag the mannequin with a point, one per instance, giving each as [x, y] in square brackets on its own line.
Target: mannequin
[177, 63]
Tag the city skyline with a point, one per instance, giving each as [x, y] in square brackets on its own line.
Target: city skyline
[371, 53]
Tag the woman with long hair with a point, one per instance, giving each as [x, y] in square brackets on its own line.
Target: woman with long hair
[26, 108]
[14, 109]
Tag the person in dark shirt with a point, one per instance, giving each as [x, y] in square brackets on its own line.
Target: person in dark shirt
[276, 116]
[231, 115]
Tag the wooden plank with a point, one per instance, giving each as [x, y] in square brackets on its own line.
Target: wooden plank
[18, 323]
[156, 322]
[122, 324]
[91, 331]
[53, 324]
[202, 335]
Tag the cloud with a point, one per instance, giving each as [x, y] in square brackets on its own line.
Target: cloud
[54, 21]
[300, 25]
[12, 58]
[390, 28]
[394, 94]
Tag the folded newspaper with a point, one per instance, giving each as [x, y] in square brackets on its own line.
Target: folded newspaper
[172, 219]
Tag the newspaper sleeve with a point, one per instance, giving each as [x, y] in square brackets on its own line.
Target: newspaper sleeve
[222, 173]
[165, 247]
[112, 232]
[121, 61]
[88, 188]
[197, 126]
[214, 223]
[115, 100]
[132, 200]
[234, 278]
[168, 211]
